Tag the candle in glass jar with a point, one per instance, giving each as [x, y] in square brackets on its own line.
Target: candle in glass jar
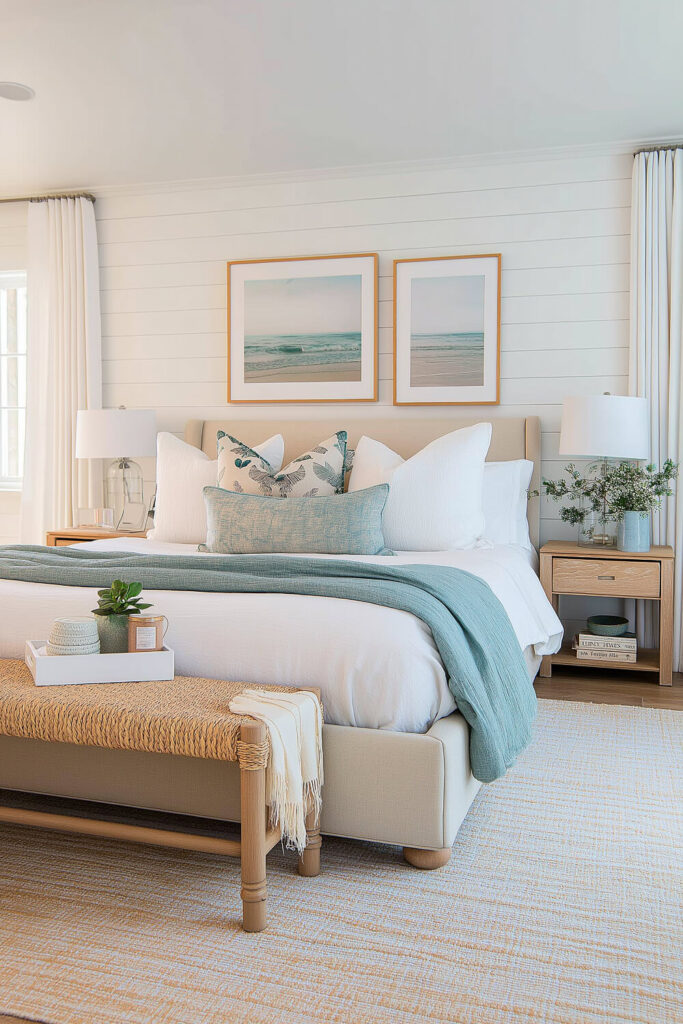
[146, 632]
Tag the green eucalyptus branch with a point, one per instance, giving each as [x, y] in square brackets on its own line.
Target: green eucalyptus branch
[615, 488]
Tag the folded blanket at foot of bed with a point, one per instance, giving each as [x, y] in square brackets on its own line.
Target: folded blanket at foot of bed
[482, 657]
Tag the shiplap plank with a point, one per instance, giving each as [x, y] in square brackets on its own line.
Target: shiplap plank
[554, 389]
[584, 254]
[564, 363]
[369, 238]
[594, 195]
[541, 337]
[394, 183]
[515, 284]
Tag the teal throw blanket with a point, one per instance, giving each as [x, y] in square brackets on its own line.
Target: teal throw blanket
[486, 671]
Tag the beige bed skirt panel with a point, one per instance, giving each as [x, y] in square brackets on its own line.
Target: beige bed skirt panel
[387, 787]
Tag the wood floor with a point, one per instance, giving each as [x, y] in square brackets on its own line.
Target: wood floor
[611, 687]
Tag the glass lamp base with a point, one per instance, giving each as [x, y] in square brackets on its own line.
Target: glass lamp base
[596, 532]
[123, 489]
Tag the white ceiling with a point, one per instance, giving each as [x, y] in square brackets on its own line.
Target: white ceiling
[132, 91]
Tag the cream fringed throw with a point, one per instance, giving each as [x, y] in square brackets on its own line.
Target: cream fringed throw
[294, 775]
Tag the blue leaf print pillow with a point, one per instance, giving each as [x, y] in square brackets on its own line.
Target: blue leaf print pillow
[317, 472]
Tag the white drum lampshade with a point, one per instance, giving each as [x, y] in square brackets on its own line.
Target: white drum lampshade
[605, 426]
[118, 434]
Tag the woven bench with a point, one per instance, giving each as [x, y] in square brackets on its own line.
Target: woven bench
[186, 716]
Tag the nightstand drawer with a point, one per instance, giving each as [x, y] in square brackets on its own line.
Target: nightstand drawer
[606, 577]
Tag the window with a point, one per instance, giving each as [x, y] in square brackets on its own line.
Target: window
[12, 378]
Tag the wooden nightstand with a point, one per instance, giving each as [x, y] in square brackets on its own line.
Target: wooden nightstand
[605, 572]
[77, 535]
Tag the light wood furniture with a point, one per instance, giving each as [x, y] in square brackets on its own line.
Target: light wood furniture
[182, 716]
[569, 568]
[77, 535]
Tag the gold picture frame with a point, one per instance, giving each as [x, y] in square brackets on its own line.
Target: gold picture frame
[447, 330]
[303, 329]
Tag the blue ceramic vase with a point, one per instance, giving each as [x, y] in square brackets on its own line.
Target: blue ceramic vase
[634, 532]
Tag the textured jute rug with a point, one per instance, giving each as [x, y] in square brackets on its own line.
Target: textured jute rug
[561, 905]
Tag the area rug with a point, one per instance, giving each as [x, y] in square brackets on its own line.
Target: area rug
[560, 905]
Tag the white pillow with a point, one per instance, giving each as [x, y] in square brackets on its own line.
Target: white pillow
[183, 472]
[435, 497]
[505, 501]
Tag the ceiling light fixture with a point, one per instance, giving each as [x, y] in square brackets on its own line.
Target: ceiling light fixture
[16, 91]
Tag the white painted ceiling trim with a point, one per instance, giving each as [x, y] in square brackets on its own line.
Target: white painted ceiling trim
[559, 153]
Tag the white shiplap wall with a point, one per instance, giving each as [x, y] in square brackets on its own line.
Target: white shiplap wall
[562, 227]
[12, 257]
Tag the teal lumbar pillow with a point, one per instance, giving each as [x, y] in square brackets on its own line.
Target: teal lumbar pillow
[336, 524]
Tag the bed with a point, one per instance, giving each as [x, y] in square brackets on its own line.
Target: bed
[396, 748]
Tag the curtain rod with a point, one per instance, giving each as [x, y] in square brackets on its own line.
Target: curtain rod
[659, 149]
[56, 195]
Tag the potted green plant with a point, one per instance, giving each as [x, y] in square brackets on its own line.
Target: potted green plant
[115, 605]
[635, 493]
[614, 501]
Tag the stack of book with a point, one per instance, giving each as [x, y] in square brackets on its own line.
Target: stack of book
[606, 648]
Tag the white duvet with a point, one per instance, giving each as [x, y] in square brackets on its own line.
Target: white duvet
[377, 667]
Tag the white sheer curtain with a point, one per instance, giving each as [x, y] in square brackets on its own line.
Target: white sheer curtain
[656, 340]
[64, 363]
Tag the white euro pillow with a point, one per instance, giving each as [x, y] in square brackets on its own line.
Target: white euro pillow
[435, 497]
[183, 472]
[505, 498]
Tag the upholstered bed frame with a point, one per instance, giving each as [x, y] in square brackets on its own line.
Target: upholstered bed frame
[410, 790]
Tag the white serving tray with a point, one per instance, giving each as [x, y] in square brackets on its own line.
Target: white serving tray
[70, 669]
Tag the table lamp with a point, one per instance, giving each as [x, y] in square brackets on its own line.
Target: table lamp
[605, 427]
[108, 434]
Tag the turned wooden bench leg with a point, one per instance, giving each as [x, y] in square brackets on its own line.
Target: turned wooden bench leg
[309, 861]
[427, 859]
[253, 850]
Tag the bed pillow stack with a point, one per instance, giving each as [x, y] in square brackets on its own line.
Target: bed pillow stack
[435, 497]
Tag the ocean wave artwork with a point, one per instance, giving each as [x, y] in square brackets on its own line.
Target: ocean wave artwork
[453, 359]
[283, 358]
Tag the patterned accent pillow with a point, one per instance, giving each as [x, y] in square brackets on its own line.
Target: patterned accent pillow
[316, 473]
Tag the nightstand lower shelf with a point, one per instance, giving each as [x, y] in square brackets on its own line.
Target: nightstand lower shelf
[647, 661]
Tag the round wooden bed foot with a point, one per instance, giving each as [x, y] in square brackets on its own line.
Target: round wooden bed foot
[427, 859]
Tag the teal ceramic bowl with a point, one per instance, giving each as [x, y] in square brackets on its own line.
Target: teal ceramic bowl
[607, 625]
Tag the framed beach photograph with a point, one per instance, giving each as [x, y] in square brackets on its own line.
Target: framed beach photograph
[303, 329]
[447, 330]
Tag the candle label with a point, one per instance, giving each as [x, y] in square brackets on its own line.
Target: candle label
[145, 638]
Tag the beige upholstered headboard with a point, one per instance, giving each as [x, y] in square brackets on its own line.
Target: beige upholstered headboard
[513, 438]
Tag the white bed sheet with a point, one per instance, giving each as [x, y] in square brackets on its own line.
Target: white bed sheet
[377, 667]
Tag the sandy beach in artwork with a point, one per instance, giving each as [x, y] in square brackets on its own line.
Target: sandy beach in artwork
[447, 360]
[304, 374]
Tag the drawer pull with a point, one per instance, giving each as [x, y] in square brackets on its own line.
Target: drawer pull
[606, 577]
